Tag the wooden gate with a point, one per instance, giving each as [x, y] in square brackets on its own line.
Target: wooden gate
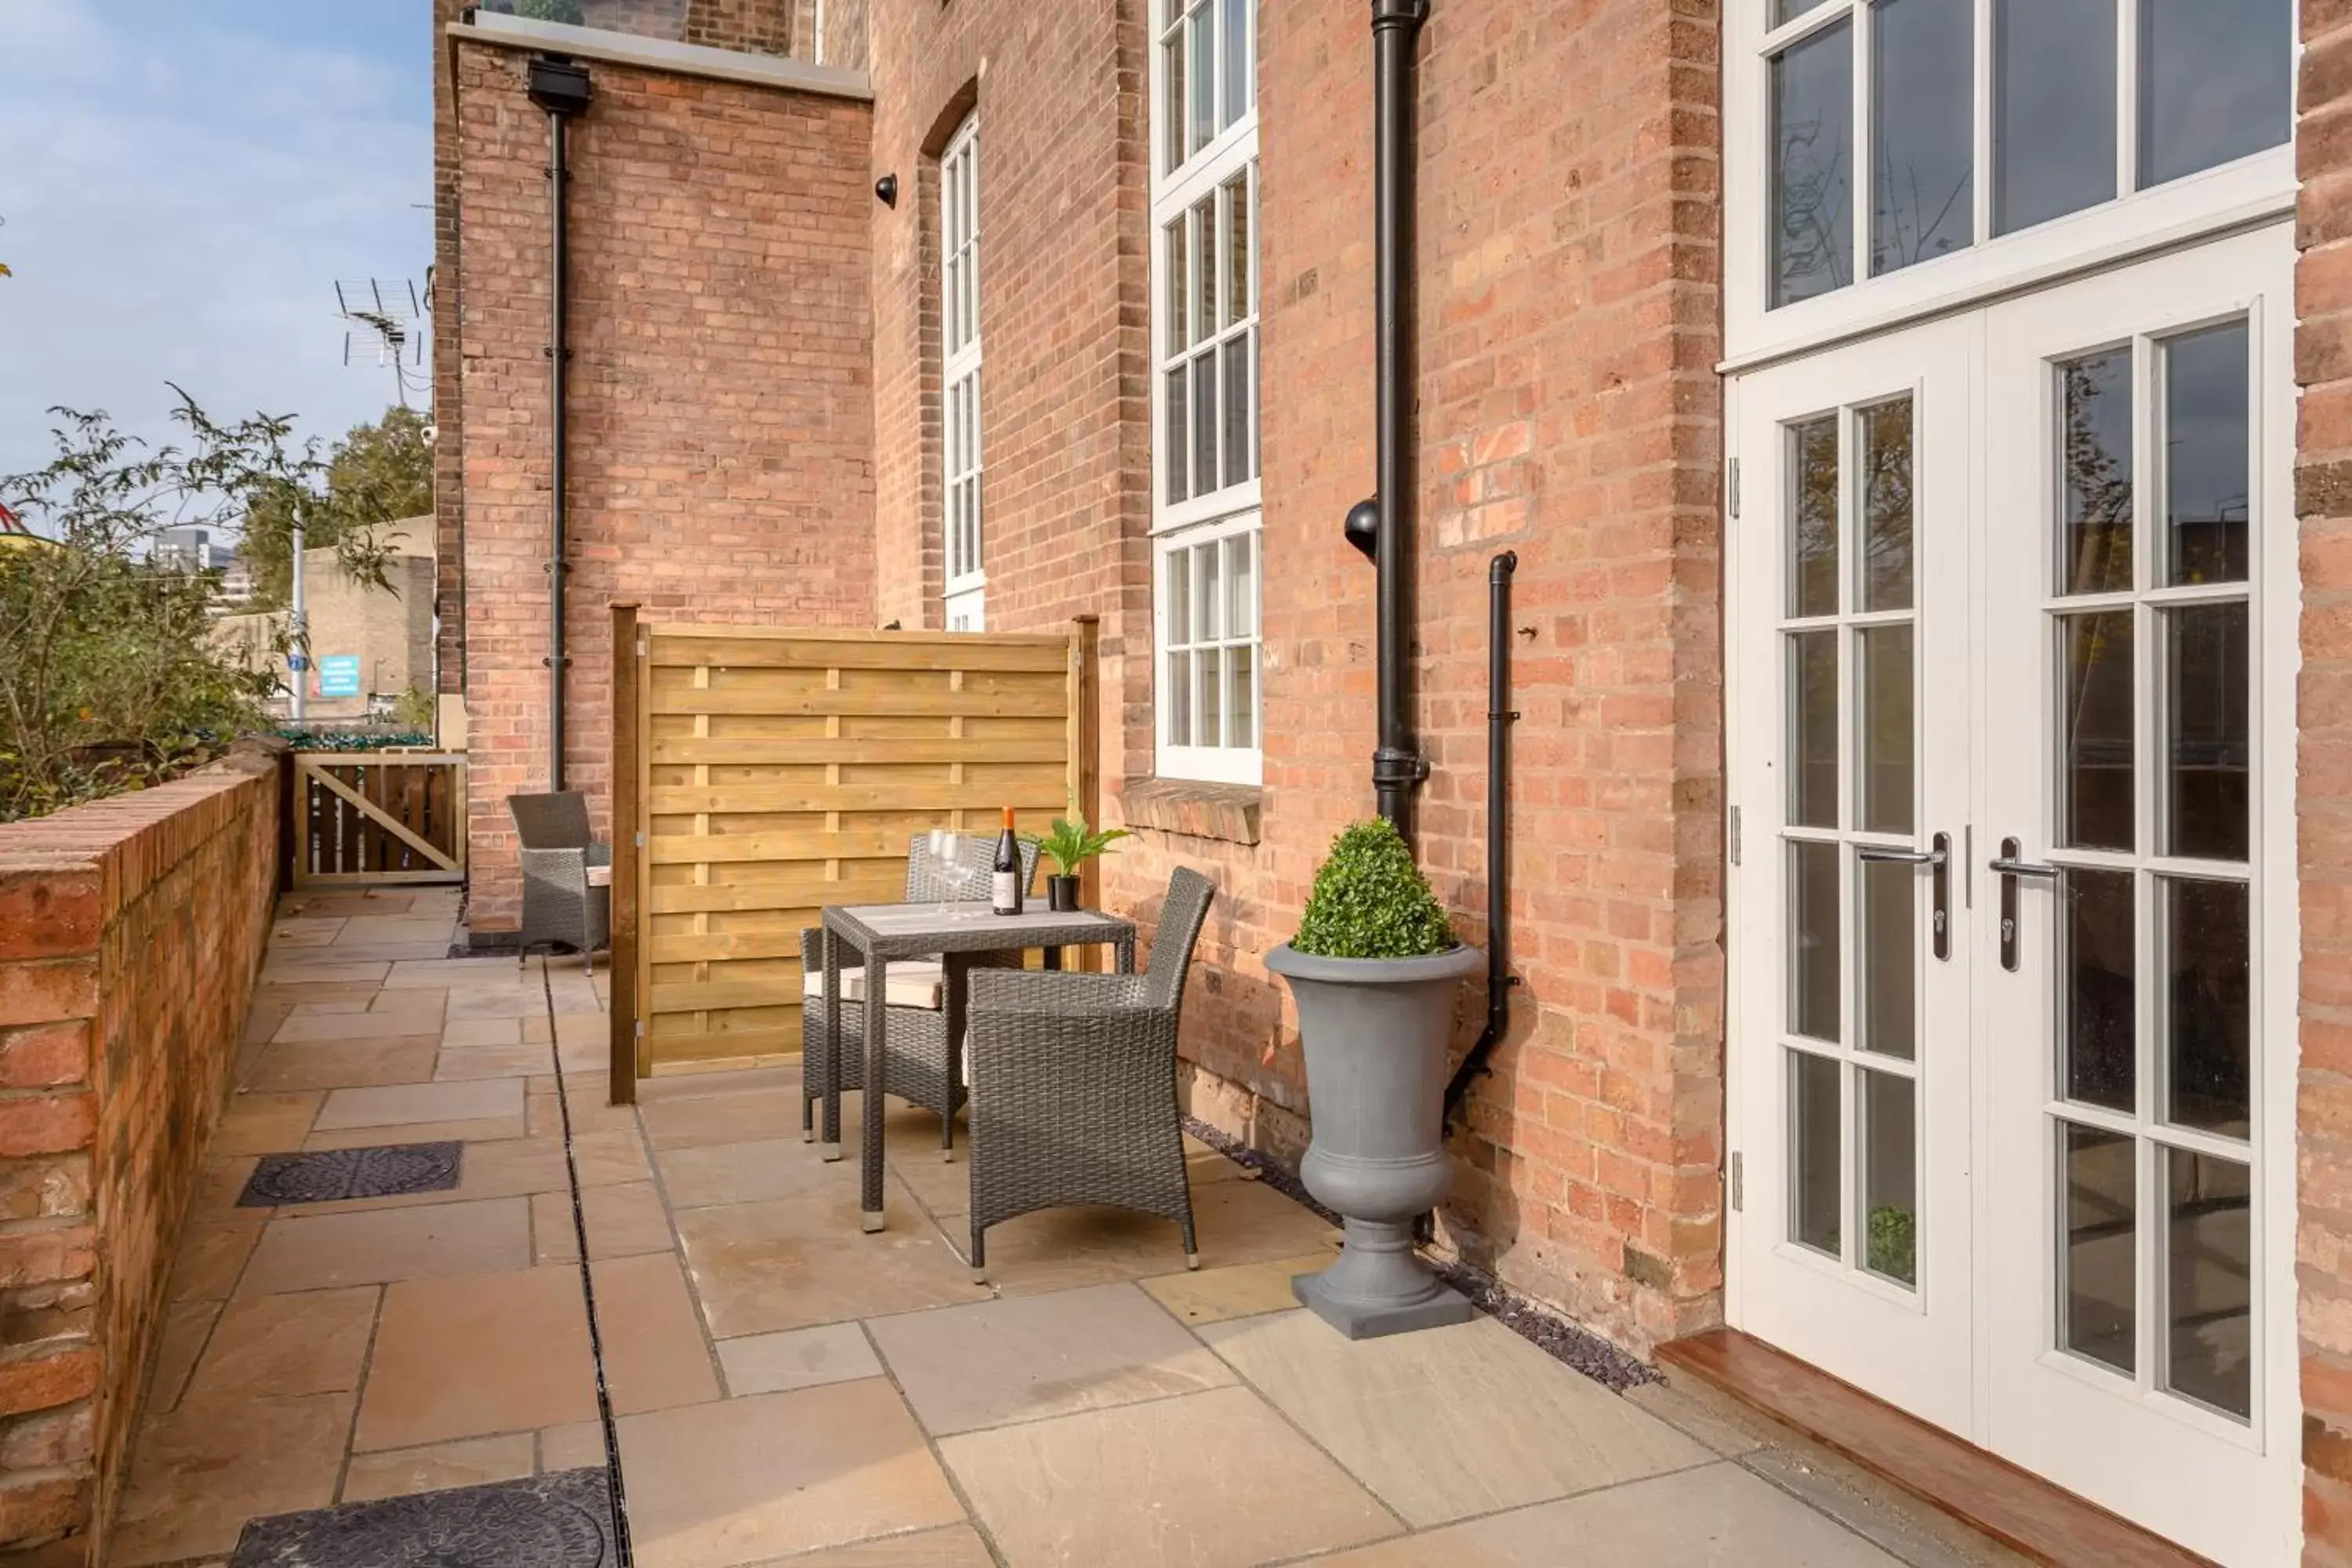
[769, 772]
[379, 816]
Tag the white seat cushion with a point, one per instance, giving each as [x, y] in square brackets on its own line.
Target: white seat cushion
[600, 876]
[914, 983]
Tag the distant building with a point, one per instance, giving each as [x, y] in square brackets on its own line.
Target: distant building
[200, 549]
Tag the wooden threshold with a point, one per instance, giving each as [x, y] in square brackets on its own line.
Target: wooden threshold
[2015, 1507]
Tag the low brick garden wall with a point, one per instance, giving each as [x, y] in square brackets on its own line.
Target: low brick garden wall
[131, 932]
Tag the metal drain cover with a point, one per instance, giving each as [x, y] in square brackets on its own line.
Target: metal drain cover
[563, 1520]
[333, 1175]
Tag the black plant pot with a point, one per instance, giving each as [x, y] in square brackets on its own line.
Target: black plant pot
[1062, 894]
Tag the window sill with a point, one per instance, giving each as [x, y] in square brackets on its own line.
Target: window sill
[1229, 812]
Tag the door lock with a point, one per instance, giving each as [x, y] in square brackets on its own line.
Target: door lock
[2010, 868]
[1939, 860]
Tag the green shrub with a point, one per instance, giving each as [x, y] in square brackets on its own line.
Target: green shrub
[1371, 902]
[1893, 1243]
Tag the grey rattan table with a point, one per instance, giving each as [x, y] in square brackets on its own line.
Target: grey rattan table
[959, 933]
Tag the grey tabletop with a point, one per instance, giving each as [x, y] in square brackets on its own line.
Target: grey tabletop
[881, 932]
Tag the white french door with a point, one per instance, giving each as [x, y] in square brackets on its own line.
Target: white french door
[2099, 728]
[1851, 773]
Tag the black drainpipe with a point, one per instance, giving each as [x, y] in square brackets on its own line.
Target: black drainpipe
[559, 86]
[1397, 766]
[1499, 718]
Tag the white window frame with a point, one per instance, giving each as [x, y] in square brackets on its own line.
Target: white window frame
[2224, 199]
[1228, 510]
[963, 558]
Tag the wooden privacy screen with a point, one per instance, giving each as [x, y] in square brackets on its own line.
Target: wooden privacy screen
[379, 816]
[771, 773]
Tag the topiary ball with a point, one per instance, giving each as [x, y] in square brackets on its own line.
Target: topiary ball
[1370, 900]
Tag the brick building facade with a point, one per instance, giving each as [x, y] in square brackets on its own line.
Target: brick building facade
[1602, 310]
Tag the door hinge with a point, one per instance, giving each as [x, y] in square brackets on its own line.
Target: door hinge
[641, 841]
[643, 647]
[1735, 836]
[1739, 1195]
[1731, 485]
[641, 1028]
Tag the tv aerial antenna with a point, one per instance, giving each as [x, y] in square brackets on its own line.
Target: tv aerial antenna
[381, 328]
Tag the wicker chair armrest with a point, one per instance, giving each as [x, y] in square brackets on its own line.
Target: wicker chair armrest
[1048, 992]
[566, 868]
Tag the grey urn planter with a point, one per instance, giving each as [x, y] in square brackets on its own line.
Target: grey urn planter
[1376, 1032]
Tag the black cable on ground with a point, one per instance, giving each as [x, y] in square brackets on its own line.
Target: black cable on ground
[626, 1554]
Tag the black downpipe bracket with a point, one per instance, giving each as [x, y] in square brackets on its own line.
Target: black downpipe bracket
[1397, 766]
[1500, 716]
[559, 86]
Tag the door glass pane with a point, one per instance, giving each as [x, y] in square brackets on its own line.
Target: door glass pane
[2216, 82]
[1889, 1177]
[1886, 462]
[1815, 1194]
[2097, 458]
[2096, 1012]
[2053, 128]
[2206, 688]
[2208, 1280]
[1813, 729]
[1204, 238]
[1813, 517]
[1889, 958]
[1812, 166]
[2208, 980]
[2094, 751]
[1179, 602]
[2098, 1252]
[1886, 729]
[1813, 918]
[1208, 608]
[1790, 10]
[1922, 131]
[2208, 456]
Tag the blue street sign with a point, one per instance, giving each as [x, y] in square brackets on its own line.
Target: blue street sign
[339, 674]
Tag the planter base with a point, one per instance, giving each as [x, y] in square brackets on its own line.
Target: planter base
[1380, 1286]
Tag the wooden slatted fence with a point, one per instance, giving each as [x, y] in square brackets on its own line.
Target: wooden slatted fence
[760, 774]
[379, 816]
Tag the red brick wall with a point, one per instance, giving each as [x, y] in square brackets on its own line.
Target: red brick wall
[721, 404]
[1567, 409]
[131, 930]
[2324, 501]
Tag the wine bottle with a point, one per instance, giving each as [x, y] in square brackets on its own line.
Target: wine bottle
[1007, 897]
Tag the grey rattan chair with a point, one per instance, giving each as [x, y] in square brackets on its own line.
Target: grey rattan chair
[925, 1068]
[559, 908]
[1073, 1084]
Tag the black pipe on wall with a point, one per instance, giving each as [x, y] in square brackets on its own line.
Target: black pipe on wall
[1500, 716]
[559, 86]
[1397, 765]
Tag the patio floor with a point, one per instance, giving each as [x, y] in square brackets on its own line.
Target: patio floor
[785, 1388]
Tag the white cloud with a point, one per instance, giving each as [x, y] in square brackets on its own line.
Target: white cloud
[183, 185]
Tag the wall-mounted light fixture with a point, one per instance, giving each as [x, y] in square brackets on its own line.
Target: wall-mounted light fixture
[886, 191]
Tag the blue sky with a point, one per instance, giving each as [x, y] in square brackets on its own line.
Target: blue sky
[183, 182]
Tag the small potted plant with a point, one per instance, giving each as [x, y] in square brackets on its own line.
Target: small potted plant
[1070, 845]
[1375, 968]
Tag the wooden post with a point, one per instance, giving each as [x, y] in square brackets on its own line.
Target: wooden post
[1085, 751]
[628, 822]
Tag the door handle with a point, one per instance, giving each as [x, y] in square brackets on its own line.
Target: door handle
[2010, 869]
[1939, 860]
